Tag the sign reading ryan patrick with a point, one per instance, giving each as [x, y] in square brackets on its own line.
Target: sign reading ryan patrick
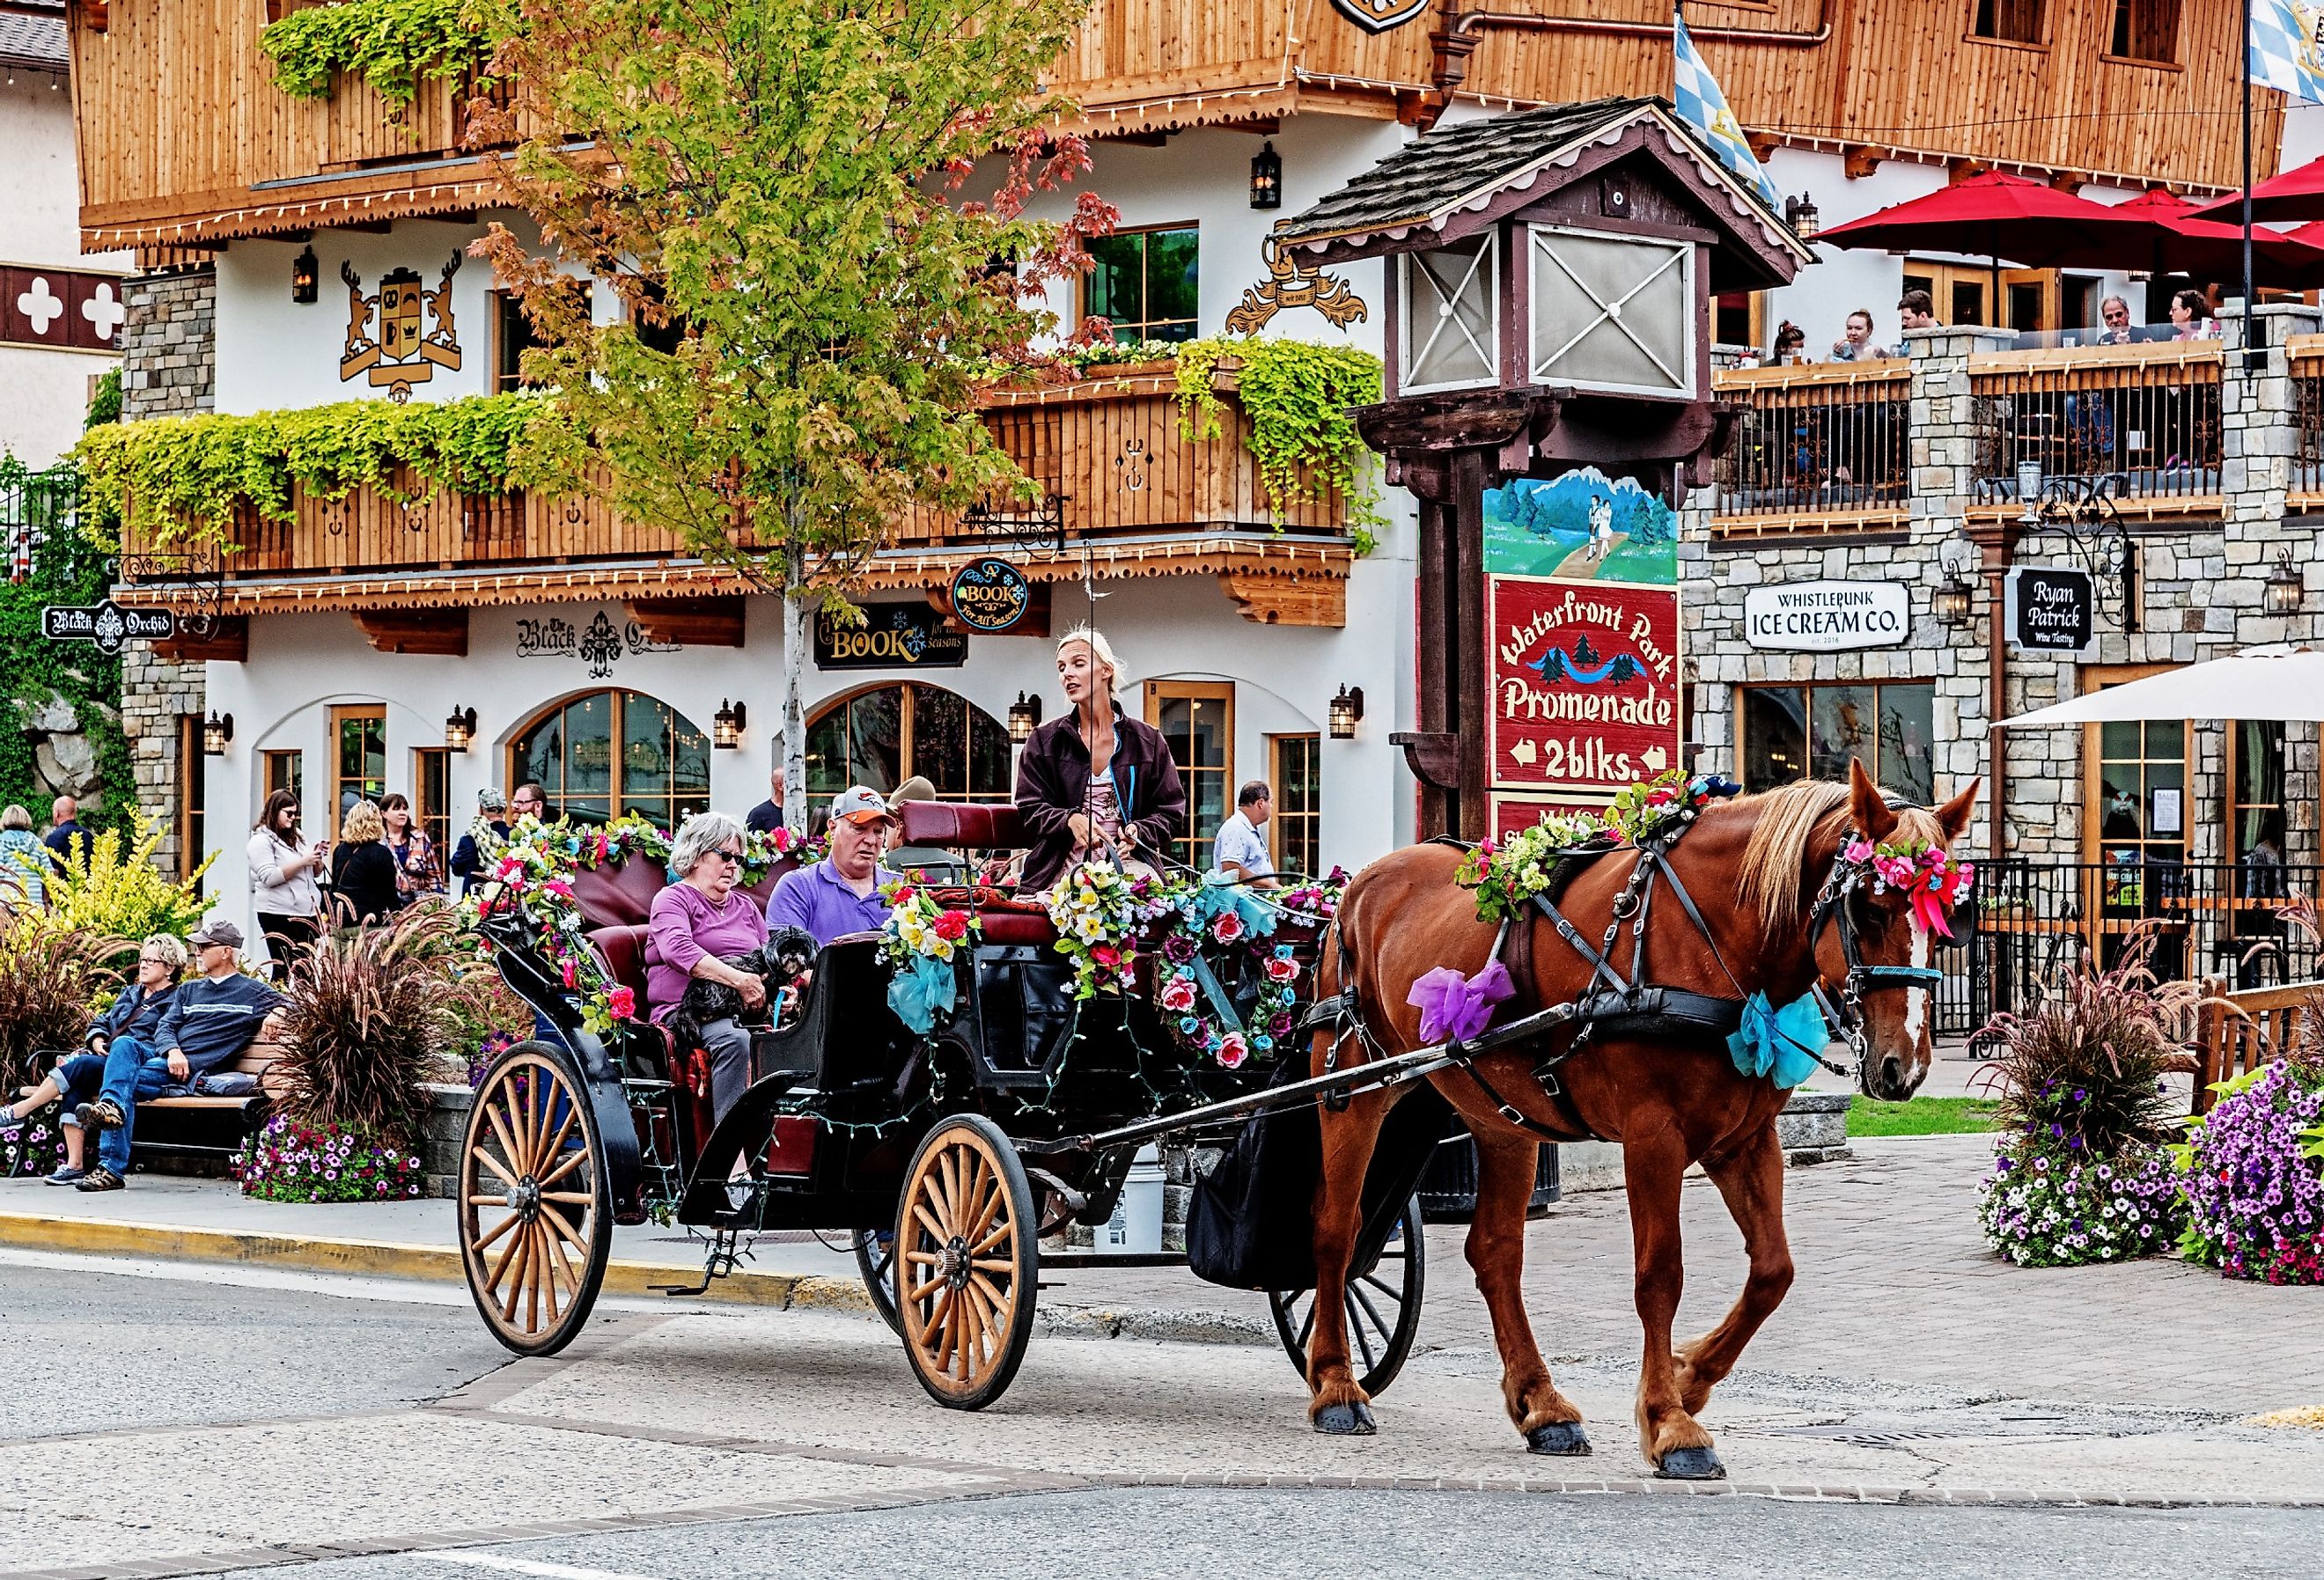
[1827, 616]
[2048, 610]
[1583, 687]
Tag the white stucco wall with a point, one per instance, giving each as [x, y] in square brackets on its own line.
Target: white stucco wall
[44, 394]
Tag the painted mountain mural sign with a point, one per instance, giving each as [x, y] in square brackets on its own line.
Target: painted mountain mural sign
[1583, 624]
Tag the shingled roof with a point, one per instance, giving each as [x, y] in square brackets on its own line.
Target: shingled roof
[1464, 166]
[36, 44]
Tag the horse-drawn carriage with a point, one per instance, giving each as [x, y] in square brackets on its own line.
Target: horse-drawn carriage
[948, 1156]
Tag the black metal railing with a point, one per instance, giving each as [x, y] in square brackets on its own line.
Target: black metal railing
[40, 522]
[2143, 430]
[2037, 920]
[1820, 443]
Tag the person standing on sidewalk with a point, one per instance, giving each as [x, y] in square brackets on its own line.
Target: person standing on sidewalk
[211, 1019]
[137, 1013]
[67, 841]
[23, 862]
[285, 877]
[479, 847]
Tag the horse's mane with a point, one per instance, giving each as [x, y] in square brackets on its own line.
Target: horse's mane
[1778, 852]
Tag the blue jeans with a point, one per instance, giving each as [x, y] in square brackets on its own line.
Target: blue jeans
[131, 1073]
[79, 1076]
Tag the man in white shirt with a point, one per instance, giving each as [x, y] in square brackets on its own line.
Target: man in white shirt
[1241, 850]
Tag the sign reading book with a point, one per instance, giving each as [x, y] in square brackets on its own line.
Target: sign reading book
[893, 636]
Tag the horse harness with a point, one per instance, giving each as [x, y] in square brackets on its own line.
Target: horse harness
[1612, 1004]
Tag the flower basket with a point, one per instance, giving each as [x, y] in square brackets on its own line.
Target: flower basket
[2254, 1178]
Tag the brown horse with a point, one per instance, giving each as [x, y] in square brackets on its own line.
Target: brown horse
[1756, 867]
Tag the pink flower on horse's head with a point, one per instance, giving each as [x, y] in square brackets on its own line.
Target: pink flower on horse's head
[1858, 851]
[1227, 927]
[1281, 970]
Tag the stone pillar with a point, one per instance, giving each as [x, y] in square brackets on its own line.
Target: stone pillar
[169, 355]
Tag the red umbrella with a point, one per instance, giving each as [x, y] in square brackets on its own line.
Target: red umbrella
[2205, 250]
[2296, 194]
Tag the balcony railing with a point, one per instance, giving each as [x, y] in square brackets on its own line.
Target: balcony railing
[2140, 423]
[1821, 447]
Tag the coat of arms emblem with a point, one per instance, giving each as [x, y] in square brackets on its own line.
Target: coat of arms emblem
[1380, 15]
[402, 349]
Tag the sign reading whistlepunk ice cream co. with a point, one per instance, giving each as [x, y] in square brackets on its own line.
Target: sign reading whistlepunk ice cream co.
[1827, 616]
[1583, 679]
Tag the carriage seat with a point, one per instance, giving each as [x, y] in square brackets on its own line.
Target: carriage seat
[623, 951]
[964, 825]
[619, 894]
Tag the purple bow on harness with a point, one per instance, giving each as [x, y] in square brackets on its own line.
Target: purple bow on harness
[1455, 1007]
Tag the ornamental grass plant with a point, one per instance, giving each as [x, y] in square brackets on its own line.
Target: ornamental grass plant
[2080, 1171]
[51, 983]
[371, 1015]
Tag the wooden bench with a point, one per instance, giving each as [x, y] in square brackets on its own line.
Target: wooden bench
[208, 1127]
[2246, 1029]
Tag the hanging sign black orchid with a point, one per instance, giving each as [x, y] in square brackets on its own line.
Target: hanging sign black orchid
[107, 624]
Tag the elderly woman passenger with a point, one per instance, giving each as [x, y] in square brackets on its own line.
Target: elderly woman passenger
[692, 924]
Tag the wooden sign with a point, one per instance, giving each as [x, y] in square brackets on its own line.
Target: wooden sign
[389, 336]
[65, 309]
[893, 636]
[991, 595]
[1581, 684]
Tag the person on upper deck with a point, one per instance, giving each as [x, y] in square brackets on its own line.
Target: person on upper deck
[2191, 317]
[2116, 312]
[1856, 344]
[1093, 781]
[1917, 311]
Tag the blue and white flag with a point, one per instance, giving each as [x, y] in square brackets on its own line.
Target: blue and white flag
[2287, 47]
[1700, 105]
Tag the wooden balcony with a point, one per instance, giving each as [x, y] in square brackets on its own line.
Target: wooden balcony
[1130, 494]
[1818, 449]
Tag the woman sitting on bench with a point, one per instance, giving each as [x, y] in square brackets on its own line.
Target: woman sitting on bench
[77, 1077]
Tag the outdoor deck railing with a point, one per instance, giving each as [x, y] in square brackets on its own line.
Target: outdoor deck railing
[2036, 921]
[1824, 447]
[2307, 353]
[2135, 422]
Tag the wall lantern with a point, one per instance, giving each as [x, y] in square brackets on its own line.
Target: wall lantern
[1953, 601]
[460, 729]
[306, 276]
[1024, 713]
[1800, 214]
[216, 733]
[727, 725]
[2285, 590]
[1347, 707]
[1267, 177]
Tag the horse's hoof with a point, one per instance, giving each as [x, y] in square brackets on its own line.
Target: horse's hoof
[1690, 1464]
[1563, 1437]
[1345, 1420]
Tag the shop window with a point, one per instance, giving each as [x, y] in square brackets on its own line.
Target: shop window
[1296, 832]
[512, 336]
[613, 752]
[2012, 22]
[1451, 317]
[1198, 721]
[192, 795]
[431, 795]
[358, 758]
[2145, 30]
[1814, 731]
[889, 733]
[1144, 283]
[2138, 800]
[2256, 809]
[284, 771]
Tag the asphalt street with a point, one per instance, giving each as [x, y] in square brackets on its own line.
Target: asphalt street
[109, 1361]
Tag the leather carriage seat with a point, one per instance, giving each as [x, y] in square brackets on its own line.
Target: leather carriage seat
[619, 895]
[964, 825]
[622, 949]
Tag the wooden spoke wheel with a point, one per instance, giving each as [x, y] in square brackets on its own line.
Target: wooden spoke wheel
[967, 1262]
[536, 1209]
[875, 1258]
[1383, 1308]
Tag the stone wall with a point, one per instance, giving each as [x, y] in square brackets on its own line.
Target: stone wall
[169, 357]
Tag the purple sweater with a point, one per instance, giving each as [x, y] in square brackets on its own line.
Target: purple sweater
[683, 928]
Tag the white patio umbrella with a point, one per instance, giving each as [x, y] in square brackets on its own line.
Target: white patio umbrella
[2281, 682]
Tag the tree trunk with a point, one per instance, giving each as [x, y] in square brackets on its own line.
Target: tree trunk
[799, 635]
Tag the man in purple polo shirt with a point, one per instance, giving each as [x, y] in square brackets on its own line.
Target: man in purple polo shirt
[841, 894]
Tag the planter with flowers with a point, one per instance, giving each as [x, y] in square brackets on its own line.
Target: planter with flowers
[2252, 1170]
[2081, 1173]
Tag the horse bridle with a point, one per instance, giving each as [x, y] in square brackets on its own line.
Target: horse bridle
[1840, 887]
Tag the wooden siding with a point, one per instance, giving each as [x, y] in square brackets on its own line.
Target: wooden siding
[180, 120]
[1112, 448]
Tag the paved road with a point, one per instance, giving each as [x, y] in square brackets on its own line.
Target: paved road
[172, 1420]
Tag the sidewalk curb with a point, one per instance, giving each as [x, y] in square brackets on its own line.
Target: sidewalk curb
[382, 1258]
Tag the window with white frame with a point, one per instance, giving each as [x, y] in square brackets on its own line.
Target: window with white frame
[1612, 312]
[1452, 320]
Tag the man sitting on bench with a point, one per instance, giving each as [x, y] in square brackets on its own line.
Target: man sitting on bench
[137, 1012]
[212, 1018]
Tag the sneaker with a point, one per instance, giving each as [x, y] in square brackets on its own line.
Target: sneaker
[65, 1174]
[102, 1178]
[102, 1115]
[11, 1123]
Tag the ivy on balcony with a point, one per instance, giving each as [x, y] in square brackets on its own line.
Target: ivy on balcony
[394, 44]
[183, 479]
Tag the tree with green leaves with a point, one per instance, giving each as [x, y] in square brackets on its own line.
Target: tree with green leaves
[778, 193]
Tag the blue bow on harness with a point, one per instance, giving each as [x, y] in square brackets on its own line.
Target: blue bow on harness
[1783, 1043]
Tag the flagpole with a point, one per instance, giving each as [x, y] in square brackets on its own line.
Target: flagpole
[2253, 353]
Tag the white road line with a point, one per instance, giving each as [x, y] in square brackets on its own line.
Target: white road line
[526, 1567]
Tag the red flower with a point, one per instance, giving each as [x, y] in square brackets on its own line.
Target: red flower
[1281, 970]
[952, 926]
[1105, 955]
[623, 1002]
[1227, 928]
[1178, 995]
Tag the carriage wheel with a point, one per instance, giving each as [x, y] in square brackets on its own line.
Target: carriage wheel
[967, 1257]
[1383, 1308]
[536, 1209]
[875, 1258]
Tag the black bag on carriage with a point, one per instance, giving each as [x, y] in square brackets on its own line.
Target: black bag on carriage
[1251, 1222]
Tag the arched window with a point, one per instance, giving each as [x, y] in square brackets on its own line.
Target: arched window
[883, 736]
[616, 752]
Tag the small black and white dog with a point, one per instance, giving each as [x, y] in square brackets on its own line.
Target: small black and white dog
[786, 956]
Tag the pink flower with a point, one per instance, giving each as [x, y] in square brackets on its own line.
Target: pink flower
[1105, 955]
[1232, 1050]
[1281, 970]
[623, 1002]
[1178, 995]
[569, 973]
[1859, 851]
[1227, 928]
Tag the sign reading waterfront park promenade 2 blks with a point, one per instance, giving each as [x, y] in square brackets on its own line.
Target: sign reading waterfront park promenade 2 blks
[2050, 610]
[1827, 616]
[107, 624]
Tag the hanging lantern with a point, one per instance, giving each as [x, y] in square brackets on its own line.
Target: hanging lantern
[1024, 713]
[216, 733]
[2285, 590]
[1267, 177]
[305, 278]
[1953, 601]
[1347, 707]
[460, 729]
[727, 725]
